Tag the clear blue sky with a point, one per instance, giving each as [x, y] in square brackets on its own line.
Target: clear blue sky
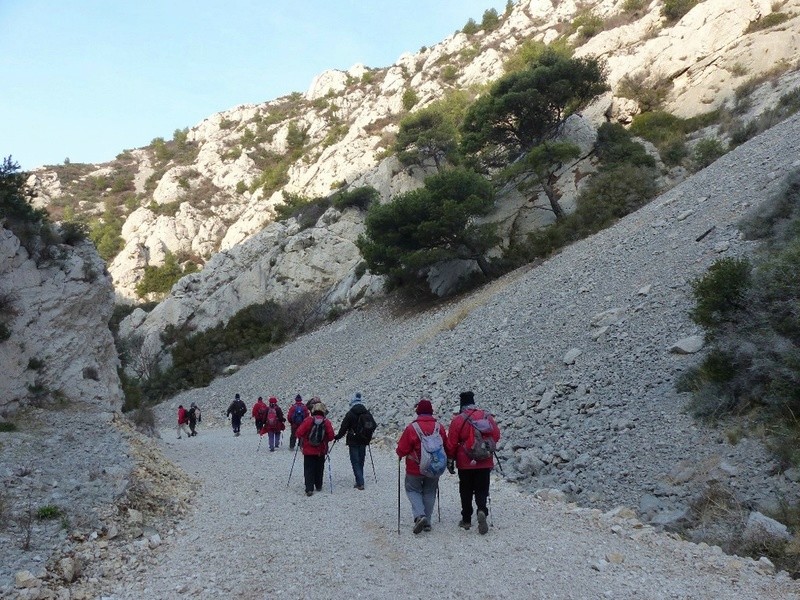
[87, 79]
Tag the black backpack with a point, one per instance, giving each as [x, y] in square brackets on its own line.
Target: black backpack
[317, 433]
[365, 426]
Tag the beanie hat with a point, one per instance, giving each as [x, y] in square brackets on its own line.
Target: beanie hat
[356, 399]
[466, 398]
[424, 407]
[298, 398]
[273, 400]
[260, 399]
[236, 396]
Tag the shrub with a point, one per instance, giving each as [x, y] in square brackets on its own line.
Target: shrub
[34, 364]
[470, 27]
[490, 20]
[706, 151]
[359, 198]
[649, 95]
[410, 98]
[73, 232]
[5, 332]
[449, 73]
[27, 223]
[587, 24]
[159, 280]
[7, 427]
[634, 5]
[48, 512]
[770, 20]
[721, 291]
[673, 10]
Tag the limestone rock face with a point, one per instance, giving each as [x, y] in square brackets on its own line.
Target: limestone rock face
[220, 191]
[59, 344]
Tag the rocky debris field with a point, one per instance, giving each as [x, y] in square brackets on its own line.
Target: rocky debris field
[578, 357]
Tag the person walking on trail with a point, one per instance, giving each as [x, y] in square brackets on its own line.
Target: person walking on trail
[422, 444]
[194, 418]
[296, 414]
[259, 413]
[310, 404]
[315, 433]
[359, 426]
[274, 424]
[236, 411]
[471, 440]
[183, 421]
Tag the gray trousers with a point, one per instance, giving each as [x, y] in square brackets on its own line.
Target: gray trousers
[421, 492]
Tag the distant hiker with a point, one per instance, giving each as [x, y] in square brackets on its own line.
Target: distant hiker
[274, 424]
[296, 414]
[259, 413]
[359, 426]
[315, 433]
[422, 443]
[236, 411]
[471, 441]
[183, 421]
[194, 418]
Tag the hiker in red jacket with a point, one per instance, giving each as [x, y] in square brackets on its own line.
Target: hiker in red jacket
[420, 488]
[274, 424]
[183, 421]
[259, 413]
[471, 440]
[296, 414]
[315, 433]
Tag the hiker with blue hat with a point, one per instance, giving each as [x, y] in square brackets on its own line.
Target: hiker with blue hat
[358, 425]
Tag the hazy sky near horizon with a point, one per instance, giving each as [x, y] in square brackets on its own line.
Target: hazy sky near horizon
[87, 79]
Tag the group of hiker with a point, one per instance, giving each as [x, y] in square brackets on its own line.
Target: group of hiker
[467, 445]
[190, 417]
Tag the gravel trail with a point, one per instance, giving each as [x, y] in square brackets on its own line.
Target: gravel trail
[250, 536]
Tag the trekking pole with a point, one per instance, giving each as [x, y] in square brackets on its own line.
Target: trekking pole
[374, 474]
[294, 459]
[499, 464]
[260, 437]
[491, 512]
[398, 495]
[330, 470]
[438, 502]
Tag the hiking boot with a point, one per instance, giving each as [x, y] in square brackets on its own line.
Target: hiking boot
[419, 524]
[464, 524]
[427, 526]
[360, 487]
[309, 493]
[483, 526]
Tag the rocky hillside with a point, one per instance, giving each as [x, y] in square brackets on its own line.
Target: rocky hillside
[217, 185]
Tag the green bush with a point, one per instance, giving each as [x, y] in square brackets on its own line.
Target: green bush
[706, 151]
[470, 28]
[7, 427]
[73, 232]
[648, 95]
[490, 20]
[634, 5]
[673, 10]
[197, 359]
[587, 24]
[657, 127]
[449, 73]
[48, 512]
[721, 291]
[159, 280]
[30, 225]
[410, 98]
[770, 20]
[359, 198]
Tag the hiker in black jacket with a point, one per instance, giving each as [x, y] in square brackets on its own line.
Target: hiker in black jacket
[236, 411]
[359, 426]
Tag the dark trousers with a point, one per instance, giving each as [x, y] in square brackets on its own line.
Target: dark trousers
[358, 454]
[314, 472]
[473, 482]
[236, 422]
[292, 437]
[259, 425]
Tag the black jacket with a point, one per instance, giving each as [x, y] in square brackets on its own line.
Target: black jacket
[348, 426]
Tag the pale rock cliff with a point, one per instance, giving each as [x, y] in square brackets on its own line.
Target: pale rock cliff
[59, 346]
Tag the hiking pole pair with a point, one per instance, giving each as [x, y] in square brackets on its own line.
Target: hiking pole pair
[399, 461]
[294, 459]
[374, 474]
[330, 469]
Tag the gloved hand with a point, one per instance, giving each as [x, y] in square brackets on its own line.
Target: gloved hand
[451, 466]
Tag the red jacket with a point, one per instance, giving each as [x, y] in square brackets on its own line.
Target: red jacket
[183, 416]
[409, 444]
[459, 433]
[305, 429]
[290, 413]
[279, 423]
[256, 407]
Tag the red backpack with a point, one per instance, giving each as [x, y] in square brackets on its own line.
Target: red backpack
[272, 416]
